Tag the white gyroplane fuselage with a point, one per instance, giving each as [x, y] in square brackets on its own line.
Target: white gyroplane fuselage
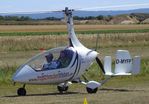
[65, 65]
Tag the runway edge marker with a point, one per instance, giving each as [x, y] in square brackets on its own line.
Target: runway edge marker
[85, 101]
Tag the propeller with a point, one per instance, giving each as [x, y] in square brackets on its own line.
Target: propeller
[97, 59]
[97, 42]
[100, 64]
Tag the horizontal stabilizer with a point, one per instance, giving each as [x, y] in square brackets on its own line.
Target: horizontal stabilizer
[124, 64]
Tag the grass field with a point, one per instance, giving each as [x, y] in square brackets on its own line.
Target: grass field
[132, 92]
[123, 90]
[63, 28]
[27, 43]
[119, 90]
[15, 49]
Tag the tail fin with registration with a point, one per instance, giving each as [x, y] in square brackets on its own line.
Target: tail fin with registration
[124, 64]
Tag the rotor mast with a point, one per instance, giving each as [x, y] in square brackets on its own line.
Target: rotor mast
[73, 40]
[69, 19]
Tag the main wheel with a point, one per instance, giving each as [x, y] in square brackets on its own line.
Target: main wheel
[89, 90]
[62, 89]
[21, 92]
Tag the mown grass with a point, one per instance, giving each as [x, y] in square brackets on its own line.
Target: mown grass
[63, 28]
[85, 32]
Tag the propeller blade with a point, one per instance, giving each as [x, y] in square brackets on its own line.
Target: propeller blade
[96, 48]
[100, 64]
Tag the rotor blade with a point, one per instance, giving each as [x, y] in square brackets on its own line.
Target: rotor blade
[35, 12]
[100, 64]
[32, 12]
[110, 7]
[96, 8]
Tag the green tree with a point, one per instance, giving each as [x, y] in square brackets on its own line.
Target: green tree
[100, 17]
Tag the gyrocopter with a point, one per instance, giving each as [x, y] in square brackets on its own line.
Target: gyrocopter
[65, 65]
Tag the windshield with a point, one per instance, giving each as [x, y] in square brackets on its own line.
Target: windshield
[52, 59]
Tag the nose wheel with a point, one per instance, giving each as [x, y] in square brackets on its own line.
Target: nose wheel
[21, 91]
[62, 89]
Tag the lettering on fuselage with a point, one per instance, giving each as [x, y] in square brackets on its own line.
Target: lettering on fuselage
[54, 76]
[123, 61]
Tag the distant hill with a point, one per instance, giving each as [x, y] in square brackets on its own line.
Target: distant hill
[140, 16]
[81, 13]
[146, 21]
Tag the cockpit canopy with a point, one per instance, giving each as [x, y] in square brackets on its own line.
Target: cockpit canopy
[52, 59]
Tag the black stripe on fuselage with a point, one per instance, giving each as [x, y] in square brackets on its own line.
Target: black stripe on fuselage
[79, 66]
[89, 52]
[76, 60]
[70, 43]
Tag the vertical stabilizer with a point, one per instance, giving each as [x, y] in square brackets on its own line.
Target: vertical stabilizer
[124, 64]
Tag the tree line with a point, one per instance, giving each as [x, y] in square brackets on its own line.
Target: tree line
[15, 18]
[99, 17]
[27, 18]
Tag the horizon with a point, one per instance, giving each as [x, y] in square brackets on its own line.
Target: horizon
[18, 6]
[40, 12]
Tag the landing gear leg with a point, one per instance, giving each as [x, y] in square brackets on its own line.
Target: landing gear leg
[21, 91]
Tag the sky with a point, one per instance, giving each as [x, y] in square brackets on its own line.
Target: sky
[14, 6]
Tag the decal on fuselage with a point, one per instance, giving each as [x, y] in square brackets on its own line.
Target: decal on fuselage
[54, 76]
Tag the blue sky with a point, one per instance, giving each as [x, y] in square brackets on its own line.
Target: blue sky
[12, 6]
